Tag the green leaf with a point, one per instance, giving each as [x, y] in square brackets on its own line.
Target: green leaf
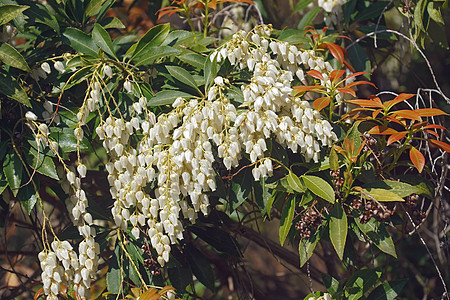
[338, 229]
[10, 88]
[420, 184]
[44, 165]
[210, 71]
[418, 14]
[286, 219]
[360, 282]
[354, 136]
[105, 7]
[308, 18]
[114, 276]
[167, 97]
[94, 7]
[135, 253]
[331, 284]
[12, 168]
[217, 238]
[399, 188]
[194, 59]
[200, 267]
[3, 182]
[261, 194]
[388, 290]
[373, 11]
[11, 57]
[39, 13]
[154, 37]
[241, 186]
[293, 36]
[306, 247]
[151, 54]
[319, 187]
[79, 41]
[10, 11]
[183, 76]
[177, 37]
[66, 140]
[377, 233]
[111, 23]
[301, 5]
[272, 199]
[28, 197]
[103, 40]
[358, 58]
[180, 277]
[334, 160]
[294, 182]
[383, 195]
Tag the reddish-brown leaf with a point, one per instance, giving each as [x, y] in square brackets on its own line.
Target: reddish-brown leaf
[321, 103]
[365, 103]
[396, 137]
[337, 51]
[400, 98]
[430, 112]
[442, 145]
[169, 10]
[308, 88]
[432, 132]
[355, 74]
[150, 294]
[417, 159]
[347, 91]
[212, 4]
[349, 66]
[38, 293]
[376, 113]
[407, 114]
[315, 74]
[352, 84]
[336, 74]
[433, 126]
[383, 130]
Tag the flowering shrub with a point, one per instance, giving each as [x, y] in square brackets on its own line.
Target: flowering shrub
[157, 143]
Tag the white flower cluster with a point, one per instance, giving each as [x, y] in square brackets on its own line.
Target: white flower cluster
[334, 10]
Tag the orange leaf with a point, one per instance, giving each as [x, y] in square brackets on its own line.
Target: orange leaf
[321, 103]
[430, 112]
[169, 10]
[365, 103]
[212, 4]
[349, 66]
[355, 74]
[315, 74]
[337, 51]
[347, 91]
[375, 113]
[396, 137]
[417, 159]
[407, 114]
[149, 294]
[432, 132]
[400, 98]
[38, 293]
[166, 289]
[336, 74]
[434, 127]
[352, 84]
[442, 145]
[308, 88]
[383, 130]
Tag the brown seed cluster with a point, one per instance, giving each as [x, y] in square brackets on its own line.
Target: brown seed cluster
[150, 263]
[370, 142]
[416, 213]
[309, 222]
[371, 209]
[337, 181]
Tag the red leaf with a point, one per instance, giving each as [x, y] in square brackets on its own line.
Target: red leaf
[365, 103]
[383, 130]
[352, 84]
[434, 127]
[308, 88]
[430, 112]
[337, 51]
[347, 91]
[321, 103]
[400, 98]
[396, 137]
[349, 66]
[417, 159]
[355, 74]
[442, 145]
[407, 114]
[432, 132]
[336, 74]
[315, 74]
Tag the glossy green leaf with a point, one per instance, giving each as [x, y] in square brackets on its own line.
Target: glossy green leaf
[373, 11]
[420, 184]
[388, 290]
[294, 182]
[66, 140]
[377, 233]
[383, 195]
[306, 247]
[28, 197]
[286, 219]
[38, 13]
[273, 199]
[79, 41]
[194, 59]
[210, 71]
[13, 169]
[94, 7]
[3, 182]
[11, 57]
[240, 188]
[358, 58]
[200, 267]
[334, 160]
[319, 187]
[10, 11]
[338, 229]
[301, 5]
[154, 53]
[111, 23]
[331, 284]
[183, 76]
[114, 275]
[399, 188]
[293, 36]
[308, 18]
[218, 239]
[103, 40]
[354, 136]
[360, 282]
[180, 277]
[43, 163]
[167, 97]
[154, 37]
[10, 88]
